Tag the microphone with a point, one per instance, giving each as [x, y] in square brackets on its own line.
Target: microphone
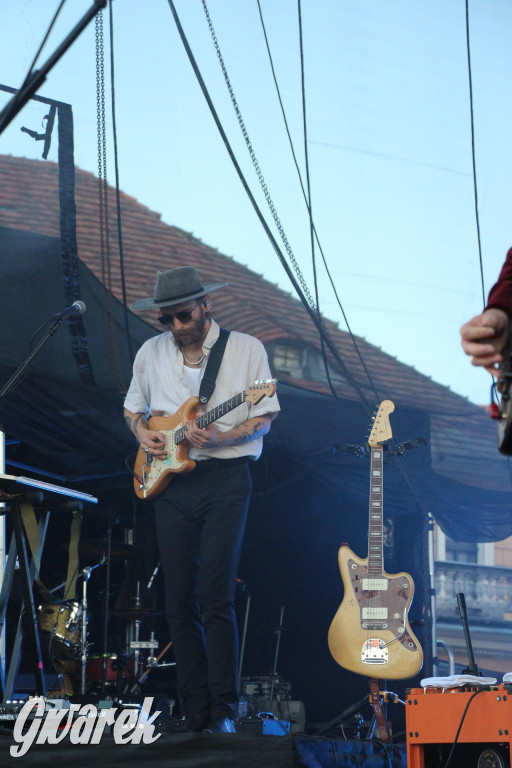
[77, 308]
[153, 575]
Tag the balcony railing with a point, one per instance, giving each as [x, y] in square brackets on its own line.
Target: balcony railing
[487, 589]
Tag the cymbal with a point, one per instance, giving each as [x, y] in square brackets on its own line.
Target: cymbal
[136, 613]
[98, 548]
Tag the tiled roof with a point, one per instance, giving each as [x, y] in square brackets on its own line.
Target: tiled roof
[29, 201]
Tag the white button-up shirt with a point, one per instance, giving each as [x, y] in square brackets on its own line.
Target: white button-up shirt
[160, 386]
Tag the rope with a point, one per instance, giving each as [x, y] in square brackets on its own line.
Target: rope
[338, 301]
[118, 196]
[473, 154]
[106, 269]
[302, 289]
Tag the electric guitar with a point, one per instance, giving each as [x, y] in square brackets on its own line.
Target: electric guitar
[370, 634]
[503, 386]
[152, 475]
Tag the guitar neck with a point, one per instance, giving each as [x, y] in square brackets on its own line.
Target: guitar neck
[209, 417]
[375, 527]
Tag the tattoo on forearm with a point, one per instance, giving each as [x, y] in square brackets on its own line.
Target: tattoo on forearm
[140, 419]
[243, 438]
[132, 426]
[251, 432]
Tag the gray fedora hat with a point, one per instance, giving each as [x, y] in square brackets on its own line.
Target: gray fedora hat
[176, 286]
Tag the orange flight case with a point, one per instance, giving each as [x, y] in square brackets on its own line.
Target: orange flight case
[433, 717]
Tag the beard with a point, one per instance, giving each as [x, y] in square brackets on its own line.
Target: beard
[192, 334]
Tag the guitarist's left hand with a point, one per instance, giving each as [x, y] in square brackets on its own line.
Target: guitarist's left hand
[208, 437]
[212, 436]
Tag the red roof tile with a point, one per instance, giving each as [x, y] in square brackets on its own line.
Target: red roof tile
[29, 201]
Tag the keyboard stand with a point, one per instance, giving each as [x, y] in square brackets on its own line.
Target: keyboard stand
[14, 491]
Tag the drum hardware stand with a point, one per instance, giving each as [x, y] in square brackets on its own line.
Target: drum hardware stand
[279, 632]
[134, 643]
[106, 617]
[136, 646]
[244, 633]
[152, 663]
[86, 574]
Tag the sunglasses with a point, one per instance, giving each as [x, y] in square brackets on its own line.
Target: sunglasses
[183, 317]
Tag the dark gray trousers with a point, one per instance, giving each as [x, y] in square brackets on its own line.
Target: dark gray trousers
[200, 520]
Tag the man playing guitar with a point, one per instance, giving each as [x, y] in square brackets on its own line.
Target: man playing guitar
[200, 516]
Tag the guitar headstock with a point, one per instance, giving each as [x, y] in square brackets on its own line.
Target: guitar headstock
[381, 429]
[260, 389]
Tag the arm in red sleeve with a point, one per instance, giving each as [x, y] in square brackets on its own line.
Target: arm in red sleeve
[500, 294]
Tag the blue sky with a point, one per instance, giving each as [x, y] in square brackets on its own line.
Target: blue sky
[387, 96]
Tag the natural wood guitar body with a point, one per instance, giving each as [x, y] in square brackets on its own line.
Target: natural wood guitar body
[152, 475]
[385, 647]
[158, 473]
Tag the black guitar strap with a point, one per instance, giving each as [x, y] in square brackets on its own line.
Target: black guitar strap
[212, 367]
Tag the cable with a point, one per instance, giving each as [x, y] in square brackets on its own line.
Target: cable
[43, 43]
[306, 157]
[294, 156]
[315, 317]
[475, 186]
[460, 726]
[118, 196]
[312, 305]
[309, 203]
[106, 265]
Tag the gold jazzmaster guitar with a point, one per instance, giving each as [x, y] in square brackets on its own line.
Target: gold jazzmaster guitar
[370, 634]
[152, 474]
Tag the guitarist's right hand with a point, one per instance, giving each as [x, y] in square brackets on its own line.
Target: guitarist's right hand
[154, 442]
[483, 338]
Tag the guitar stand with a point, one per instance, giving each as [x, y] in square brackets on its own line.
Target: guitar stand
[344, 716]
[375, 699]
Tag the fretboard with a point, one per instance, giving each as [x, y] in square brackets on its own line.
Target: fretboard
[375, 538]
[204, 419]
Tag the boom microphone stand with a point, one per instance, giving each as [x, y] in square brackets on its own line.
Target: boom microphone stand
[472, 668]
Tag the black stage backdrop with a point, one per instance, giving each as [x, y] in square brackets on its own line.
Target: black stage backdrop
[64, 421]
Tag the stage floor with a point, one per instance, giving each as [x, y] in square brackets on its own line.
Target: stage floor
[205, 750]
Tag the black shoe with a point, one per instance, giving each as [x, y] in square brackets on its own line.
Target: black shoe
[220, 725]
[192, 724]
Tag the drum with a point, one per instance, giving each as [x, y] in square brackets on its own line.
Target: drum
[94, 667]
[114, 668]
[61, 621]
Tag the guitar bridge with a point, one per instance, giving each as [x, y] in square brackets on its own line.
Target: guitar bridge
[374, 651]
